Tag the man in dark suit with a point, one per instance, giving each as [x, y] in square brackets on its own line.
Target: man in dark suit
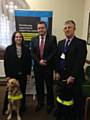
[43, 54]
[70, 62]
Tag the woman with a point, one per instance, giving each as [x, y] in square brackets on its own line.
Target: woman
[17, 64]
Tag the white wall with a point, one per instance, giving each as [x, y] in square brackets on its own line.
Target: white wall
[77, 10]
[85, 24]
[62, 10]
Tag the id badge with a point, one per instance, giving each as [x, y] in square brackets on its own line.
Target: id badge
[62, 56]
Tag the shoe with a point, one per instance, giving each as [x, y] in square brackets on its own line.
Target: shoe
[49, 108]
[38, 108]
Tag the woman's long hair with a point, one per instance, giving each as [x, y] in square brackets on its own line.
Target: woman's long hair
[13, 38]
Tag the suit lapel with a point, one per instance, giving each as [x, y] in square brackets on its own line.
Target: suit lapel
[72, 47]
[37, 42]
[46, 46]
[37, 45]
[73, 42]
[62, 46]
[46, 42]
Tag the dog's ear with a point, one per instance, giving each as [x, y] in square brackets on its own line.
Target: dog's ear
[17, 83]
[7, 85]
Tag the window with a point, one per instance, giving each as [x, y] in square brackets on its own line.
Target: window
[7, 19]
[4, 31]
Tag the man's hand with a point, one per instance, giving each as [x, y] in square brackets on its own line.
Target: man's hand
[57, 76]
[43, 62]
[70, 80]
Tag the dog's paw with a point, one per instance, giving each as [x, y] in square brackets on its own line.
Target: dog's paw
[9, 117]
[18, 117]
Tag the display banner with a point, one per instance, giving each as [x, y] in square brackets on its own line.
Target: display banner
[26, 22]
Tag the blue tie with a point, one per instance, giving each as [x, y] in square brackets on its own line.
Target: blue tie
[66, 46]
[62, 61]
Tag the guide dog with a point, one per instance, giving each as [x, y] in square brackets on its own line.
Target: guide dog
[14, 98]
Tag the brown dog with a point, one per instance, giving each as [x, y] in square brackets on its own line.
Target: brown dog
[14, 98]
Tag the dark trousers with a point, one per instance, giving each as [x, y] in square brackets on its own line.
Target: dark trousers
[64, 112]
[42, 76]
[22, 81]
[76, 111]
[5, 104]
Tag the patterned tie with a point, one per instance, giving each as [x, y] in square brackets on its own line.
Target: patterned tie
[42, 47]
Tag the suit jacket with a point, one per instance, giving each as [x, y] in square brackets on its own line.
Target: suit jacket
[49, 50]
[13, 65]
[75, 58]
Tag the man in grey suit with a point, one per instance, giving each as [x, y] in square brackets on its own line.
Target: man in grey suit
[71, 57]
[43, 48]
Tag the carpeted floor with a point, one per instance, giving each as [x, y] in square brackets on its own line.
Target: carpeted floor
[30, 113]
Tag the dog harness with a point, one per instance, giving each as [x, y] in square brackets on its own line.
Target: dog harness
[65, 102]
[17, 97]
